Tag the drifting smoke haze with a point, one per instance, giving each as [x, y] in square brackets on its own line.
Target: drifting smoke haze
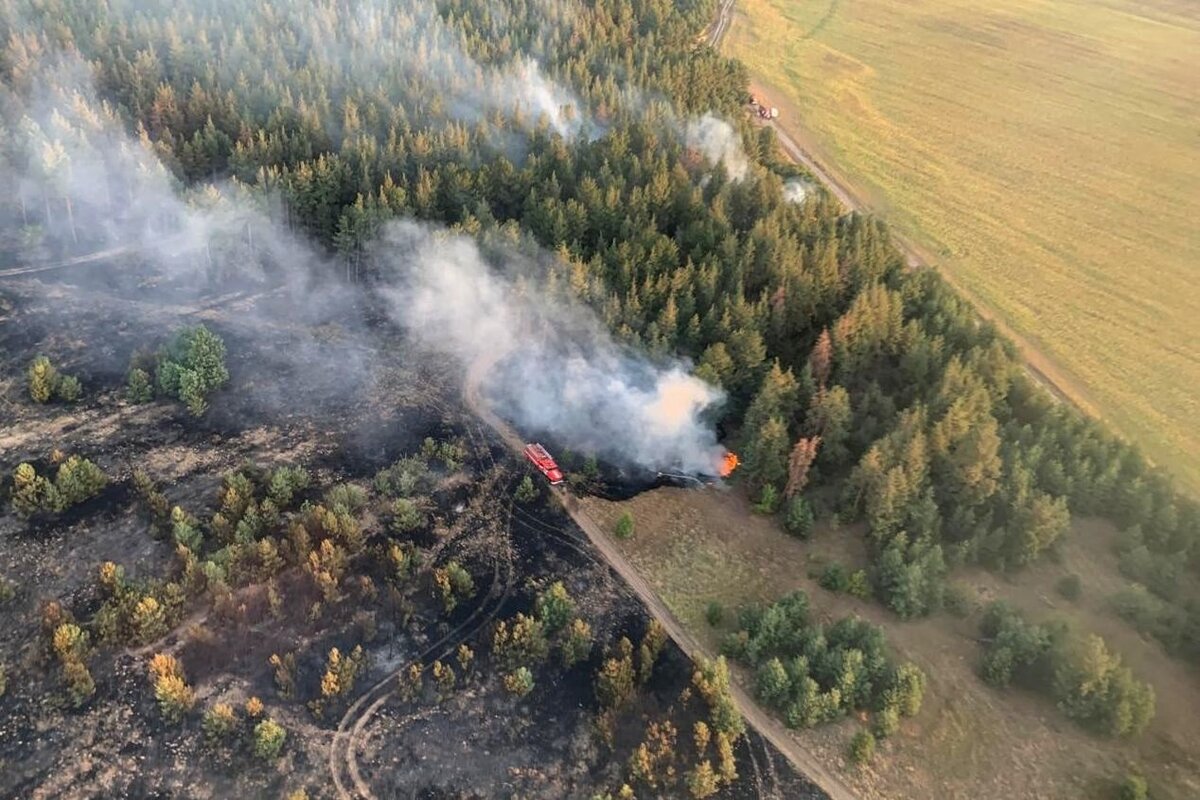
[552, 367]
[796, 191]
[374, 41]
[90, 187]
[719, 142]
[555, 368]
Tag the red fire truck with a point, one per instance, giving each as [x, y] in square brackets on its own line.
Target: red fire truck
[541, 459]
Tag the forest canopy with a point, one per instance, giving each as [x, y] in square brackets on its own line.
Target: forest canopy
[607, 134]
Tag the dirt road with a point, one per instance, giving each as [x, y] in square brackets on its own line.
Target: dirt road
[716, 31]
[755, 716]
[99, 255]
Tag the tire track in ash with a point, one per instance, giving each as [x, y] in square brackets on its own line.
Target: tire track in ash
[349, 736]
[462, 633]
[758, 782]
[768, 785]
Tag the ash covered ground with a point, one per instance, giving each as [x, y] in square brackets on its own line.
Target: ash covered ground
[344, 396]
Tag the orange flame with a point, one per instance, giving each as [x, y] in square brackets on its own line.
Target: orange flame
[729, 463]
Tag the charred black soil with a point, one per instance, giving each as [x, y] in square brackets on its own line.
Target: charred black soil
[344, 400]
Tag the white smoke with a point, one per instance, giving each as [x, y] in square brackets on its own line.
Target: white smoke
[382, 35]
[719, 143]
[550, 366]
[796, 191]
[544, 98]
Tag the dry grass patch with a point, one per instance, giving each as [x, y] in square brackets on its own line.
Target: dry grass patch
[969, 741]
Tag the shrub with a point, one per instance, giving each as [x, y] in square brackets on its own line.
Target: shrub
[576, 643]
[77, 480]
[450, 453]
[862, 747]
[406, 517]
[711, 680]
[149, 619]
[624, 529]
[798, 518]
[285, 482]
[31, 492]
[269, 737]
[834, 578]
[615, 680]
[451, 583]
[521, 641]
[714, 613]
[444, 677]
[957, 600]
[8, 591]
[519, 682]
[555, 607]
[219, 722]
[192, 366]
[341, 672]
[42, 379]
[175, 697]
[1133, 787]
[703, 781]
[1070, 587]
[404, 478]
[526, 490]
[69, 389]
[345, 498]
[768, 501]
[887, 721]
[3, 680]
[858, 585]
[185, 530]
[138, 387]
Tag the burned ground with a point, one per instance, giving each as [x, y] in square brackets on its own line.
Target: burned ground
[320, 393]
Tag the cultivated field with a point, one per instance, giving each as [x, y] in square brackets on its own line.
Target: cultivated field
[1044, 153]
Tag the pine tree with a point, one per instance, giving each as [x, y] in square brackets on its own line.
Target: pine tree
[804, 453]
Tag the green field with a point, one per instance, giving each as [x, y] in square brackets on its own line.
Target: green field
[1044, 153]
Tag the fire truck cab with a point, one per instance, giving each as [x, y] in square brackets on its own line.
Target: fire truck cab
[540, 458]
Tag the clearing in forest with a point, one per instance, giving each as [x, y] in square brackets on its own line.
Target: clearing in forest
[969, 740]
[1042, 153]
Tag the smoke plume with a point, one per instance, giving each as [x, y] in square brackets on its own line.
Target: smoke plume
[796, 191]
[550, 366]
[718, 142]
[549, 363]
